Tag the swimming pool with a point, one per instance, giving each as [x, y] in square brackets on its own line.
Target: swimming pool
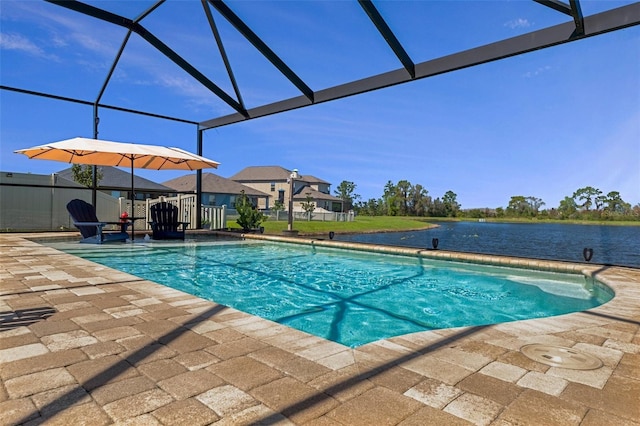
[351, 297]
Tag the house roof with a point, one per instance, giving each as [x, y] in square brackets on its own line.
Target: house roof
[301, 194]
[271, 174]
[113, 177]
[212, 183]
[313, 179]
[262, 173]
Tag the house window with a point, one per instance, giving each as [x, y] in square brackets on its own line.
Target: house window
[209, 199]
[273, 187]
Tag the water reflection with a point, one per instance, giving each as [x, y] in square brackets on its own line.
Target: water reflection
[614, 245]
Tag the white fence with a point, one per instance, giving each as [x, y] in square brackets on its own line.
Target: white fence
[31, 202]
[212, 217]
[320, 216]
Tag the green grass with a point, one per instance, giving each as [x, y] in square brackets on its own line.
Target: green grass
[361, 224]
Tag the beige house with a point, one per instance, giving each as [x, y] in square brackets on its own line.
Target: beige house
[216, 190]
[274, 180]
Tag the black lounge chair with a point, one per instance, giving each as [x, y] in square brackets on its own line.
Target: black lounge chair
[165, 222]
[84, 218]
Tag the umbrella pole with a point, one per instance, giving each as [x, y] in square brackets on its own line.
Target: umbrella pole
[133, 200]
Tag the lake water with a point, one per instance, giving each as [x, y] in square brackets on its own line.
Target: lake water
[615, 245]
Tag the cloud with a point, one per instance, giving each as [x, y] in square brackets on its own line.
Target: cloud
[518, 23]
[531, 74]
[23, 44]
[62, 32]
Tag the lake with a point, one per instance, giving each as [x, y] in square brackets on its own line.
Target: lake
[614, 245]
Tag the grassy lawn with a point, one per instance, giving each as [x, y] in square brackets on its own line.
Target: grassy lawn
[359, 225]
[363, 224]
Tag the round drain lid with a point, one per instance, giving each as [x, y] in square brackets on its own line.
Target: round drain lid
[558, 356]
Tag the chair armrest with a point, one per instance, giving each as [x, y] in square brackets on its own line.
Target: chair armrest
[153, 223]
[100, 224]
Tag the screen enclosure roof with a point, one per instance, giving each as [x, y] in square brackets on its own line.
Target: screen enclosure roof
[249, 59]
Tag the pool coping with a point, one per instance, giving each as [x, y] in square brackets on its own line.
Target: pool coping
[477, 258]
[472, 374]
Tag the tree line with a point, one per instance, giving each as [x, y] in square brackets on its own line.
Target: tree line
[400, 199]
[406, 199]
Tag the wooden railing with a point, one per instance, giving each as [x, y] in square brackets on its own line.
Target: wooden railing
[212, 217]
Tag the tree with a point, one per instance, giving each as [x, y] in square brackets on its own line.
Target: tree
[402, 196]
[518, 206]
[308, 206]
[249, 216]
[449, 199]
[600, 201]
[419, 200]
[371, 207]
[567, 208]
[84, 175]
[587, 195]
[345, 191]
[389, 198]
[278, 206]
[438, 209]
[616, 204]
[535, 204]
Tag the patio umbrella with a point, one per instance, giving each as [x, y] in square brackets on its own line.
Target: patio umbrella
[118, 154]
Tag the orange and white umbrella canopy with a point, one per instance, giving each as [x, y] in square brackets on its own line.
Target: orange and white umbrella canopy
[118, 154]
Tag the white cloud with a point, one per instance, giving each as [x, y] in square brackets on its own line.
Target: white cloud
[23, 44]
[531, 74]
[518, 23]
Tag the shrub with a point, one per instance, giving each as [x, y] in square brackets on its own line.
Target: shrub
[250, 217]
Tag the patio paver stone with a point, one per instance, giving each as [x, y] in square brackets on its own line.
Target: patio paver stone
[120, 350]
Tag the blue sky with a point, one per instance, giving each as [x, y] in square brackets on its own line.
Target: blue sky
[541, 124]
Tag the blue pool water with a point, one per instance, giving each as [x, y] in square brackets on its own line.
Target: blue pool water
[351, 297]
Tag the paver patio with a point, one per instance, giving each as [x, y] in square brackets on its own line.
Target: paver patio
[84, 344]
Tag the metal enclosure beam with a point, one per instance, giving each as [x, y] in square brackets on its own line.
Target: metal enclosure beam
[581, 27]
[244, 29]
[223, 52]
[578, 19]
[154, 41]
[573, 9]
[556, 5]
[90, 103]
[388, 35]
[611, 20]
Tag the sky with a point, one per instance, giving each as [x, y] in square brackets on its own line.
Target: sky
[542, 124]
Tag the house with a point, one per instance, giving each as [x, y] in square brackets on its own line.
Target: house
[117, 183]
[274, 181]
[216, 190]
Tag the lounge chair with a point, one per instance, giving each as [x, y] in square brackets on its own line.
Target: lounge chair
[84, 218]
[165, 222]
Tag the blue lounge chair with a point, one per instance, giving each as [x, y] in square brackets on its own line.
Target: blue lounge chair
[84, 218]
[165, 222]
